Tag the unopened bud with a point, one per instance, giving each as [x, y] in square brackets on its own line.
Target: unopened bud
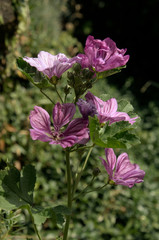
[77, 67]
[111, 182]
[54, 80]
[70, 75]
[96, 171]
[67, 89]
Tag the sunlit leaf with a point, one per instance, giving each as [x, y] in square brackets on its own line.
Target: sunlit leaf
[109, 72]
[116, 135]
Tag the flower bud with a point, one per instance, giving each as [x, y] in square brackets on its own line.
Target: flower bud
[96, 171]
[67, 89]
[54, 80]
[77, 67]
[70, 75]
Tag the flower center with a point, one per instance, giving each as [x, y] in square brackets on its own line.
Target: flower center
[55, 135]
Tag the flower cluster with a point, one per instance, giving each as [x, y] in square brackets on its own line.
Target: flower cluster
[99, 56]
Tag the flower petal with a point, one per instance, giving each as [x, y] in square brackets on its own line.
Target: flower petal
[111, 157]
[102, 55]
[62, 114]
[51, 65]
[68, 141]
[93, 100]
[44, 63]
[37, 135]
[127, 173]
[63, 64]
[40, 120]
[86, 108]
[78, 128]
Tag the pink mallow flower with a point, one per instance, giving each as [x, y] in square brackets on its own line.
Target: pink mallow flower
[102, 55]
[75, 132]
[120, 170]
[51, 65]
[105, 110]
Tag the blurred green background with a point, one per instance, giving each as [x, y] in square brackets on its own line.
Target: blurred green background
[27, 27]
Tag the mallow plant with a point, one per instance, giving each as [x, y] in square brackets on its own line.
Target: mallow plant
[77, 125]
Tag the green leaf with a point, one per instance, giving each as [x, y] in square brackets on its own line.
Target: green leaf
[116, 135]
[109, 72]
[27, 182]
[56, 214]
[17, 189]
[95, 128]
[62, 210]
[125, 106]
[35, 77]
[105, 97]
[117, 127]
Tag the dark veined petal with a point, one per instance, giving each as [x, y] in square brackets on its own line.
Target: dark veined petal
[78, 128]
[67, 141]
[38, 135]
[111, 157]
[62, 114]
[86, 108]
[40, 120]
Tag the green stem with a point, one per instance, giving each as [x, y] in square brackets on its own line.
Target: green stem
[80, 173]
[97, 189]
[69, 197]
[81, 148]
[47, 96]
[84, 190]
[35, 228]
[58, 94]
[65, 99]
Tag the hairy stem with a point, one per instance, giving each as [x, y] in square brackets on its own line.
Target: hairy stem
[69, 196]
[35, 228]
[80, 173]
[47, 96]
[84, 190]
[58, 94]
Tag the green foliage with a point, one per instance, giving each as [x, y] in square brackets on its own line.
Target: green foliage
[116, 135]
[108, 73]
[114, 214]
[16, 191]
[117, 213]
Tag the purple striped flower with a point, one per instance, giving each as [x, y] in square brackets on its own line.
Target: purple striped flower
[102, 55]
[75, 132]
[120, 170]
[51, 65]
[105, 110]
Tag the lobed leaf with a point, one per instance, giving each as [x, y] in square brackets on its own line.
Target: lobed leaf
[116, 135]
[17, 189]
[55, 213]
